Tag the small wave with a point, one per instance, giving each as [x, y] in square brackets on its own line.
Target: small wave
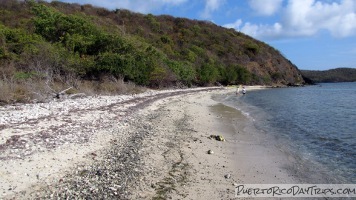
[328, 139]
[231, 102]
[247, 115]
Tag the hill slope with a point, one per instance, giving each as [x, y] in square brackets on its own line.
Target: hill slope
[332, 75]
[70, 42]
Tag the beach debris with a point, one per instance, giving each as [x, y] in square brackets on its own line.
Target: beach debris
[210, 152]
[227, 176]
[217, 137]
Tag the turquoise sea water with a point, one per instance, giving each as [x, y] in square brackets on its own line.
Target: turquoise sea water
[317, 124]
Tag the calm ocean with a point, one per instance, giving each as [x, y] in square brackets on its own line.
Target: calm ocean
[316, 124]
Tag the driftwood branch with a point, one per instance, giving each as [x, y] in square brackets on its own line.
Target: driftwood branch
[64, 91]
[78, 95]
[58, 94]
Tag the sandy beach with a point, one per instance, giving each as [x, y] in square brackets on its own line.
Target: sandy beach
[155, 145]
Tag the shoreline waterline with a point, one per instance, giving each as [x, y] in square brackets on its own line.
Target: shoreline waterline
[255, 159]
[313, 124]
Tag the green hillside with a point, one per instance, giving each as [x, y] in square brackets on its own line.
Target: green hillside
[58, 45]
[331, 76]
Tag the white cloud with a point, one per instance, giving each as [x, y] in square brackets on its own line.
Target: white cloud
[346, 26]
[263, 31]
[211, 6]
[255, 30]
[236, 25]
[306, 18]
[265, 7]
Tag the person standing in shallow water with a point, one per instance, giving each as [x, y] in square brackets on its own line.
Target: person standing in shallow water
[237, 89]
[243, 90]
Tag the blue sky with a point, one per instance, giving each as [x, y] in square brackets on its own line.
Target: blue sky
[313, 34]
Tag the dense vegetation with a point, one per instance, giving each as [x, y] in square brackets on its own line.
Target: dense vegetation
[330, 76]
[60, 45]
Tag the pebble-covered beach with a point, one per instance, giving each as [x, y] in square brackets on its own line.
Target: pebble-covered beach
[63, 144]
